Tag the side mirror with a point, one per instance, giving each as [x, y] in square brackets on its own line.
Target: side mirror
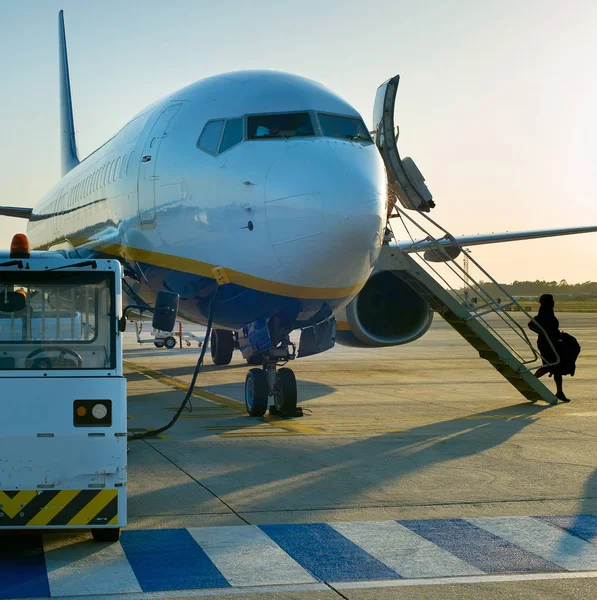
[12, 301]
[166, 311]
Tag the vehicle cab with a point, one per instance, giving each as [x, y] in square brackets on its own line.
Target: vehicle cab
[63, 403]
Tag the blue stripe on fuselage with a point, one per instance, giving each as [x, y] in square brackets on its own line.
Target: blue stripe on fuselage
[237, 305]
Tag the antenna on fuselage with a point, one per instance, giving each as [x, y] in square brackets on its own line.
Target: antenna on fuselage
[68, 143]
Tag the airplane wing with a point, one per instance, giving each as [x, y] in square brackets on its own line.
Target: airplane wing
[15, 211]
[453, 250]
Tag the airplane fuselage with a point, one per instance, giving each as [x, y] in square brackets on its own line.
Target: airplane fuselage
[209, 177]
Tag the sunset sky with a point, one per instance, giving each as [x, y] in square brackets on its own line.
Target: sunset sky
[497, 100]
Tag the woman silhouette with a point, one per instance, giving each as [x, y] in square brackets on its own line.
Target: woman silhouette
[547, 319]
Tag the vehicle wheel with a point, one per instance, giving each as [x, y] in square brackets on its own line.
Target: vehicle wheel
[256, 393]
[170, 342]
[255, 359]
[106, 535]
[222, 346]
[286, 393]
[159, 344]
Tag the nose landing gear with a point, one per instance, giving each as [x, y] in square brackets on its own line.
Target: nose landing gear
[270, 382]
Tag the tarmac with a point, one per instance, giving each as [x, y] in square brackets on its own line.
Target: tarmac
[416, 472]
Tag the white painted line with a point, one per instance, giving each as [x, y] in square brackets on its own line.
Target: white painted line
[259, 591]
[357, 585]
[544, 540]
[246, 556]
[87, 566]
[404, 551]
[320, 587]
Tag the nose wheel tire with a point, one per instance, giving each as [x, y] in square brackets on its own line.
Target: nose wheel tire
[286, 393]
[256, 393]
[256, 359]
[170, 342]
[222, 346]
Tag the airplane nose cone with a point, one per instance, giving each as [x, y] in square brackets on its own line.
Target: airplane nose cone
[325, 206]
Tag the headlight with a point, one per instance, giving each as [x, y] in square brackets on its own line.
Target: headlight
[92, 413]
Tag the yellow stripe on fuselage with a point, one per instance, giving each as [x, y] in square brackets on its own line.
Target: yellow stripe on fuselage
[196, 267]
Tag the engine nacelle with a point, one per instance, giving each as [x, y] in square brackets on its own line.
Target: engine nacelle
[386, 312]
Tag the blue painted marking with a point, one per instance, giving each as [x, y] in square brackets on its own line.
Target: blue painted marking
[479, 547]
[23, 568]
[169, 559]
[328, 555]
[582, 526]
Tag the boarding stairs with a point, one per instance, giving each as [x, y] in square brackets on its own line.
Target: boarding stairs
[487, 325]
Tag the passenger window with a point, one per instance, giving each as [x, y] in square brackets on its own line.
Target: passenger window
[117, 169]
[210, 138]
[260, 127]
[233, 134]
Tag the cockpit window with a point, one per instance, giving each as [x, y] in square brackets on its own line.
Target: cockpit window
[260, 127]
[233, 134]
[210, 137]
[351, 128]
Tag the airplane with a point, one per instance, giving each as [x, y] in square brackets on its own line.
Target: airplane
[263, 183]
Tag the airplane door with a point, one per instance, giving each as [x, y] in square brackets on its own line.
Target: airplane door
[148, 165]
[404, 178]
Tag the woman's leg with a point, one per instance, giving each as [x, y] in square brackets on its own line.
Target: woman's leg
[558, 379]
[540, 372]
[560, 393]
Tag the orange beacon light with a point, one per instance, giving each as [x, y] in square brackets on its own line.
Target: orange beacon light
[19, 247]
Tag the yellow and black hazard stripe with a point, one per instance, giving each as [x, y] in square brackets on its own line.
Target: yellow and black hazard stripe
[50, 508]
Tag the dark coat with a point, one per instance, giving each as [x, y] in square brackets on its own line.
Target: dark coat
[566, 345]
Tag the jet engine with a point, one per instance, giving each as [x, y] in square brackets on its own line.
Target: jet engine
[386, 312]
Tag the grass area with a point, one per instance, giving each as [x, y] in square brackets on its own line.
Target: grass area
[563, 306]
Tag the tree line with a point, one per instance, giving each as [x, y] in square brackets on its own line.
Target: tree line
[536, 288]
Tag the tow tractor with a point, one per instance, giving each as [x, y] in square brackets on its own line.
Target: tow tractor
[63, 436]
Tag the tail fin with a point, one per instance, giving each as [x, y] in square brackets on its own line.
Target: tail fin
[68, 143]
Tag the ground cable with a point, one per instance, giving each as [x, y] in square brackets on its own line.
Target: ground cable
[154, 432]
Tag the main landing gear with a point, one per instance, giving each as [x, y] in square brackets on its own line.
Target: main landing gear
[271, 382]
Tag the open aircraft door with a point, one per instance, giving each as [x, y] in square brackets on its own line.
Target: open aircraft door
[405, 181]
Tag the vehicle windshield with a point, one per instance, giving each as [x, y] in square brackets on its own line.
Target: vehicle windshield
[260, 127]
[351, 128]
[65, 320]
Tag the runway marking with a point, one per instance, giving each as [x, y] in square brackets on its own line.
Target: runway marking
[87, 565]
[22, 568]
[326, 553]
[169, 559]
[359, 585]
[493, 554]
[169, 563]
[181, 385]
[248, 557]
[407, 553]
[210, 416]
[582, 526]
[542, 539]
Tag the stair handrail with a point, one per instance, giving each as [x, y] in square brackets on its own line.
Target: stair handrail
[451, 262]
